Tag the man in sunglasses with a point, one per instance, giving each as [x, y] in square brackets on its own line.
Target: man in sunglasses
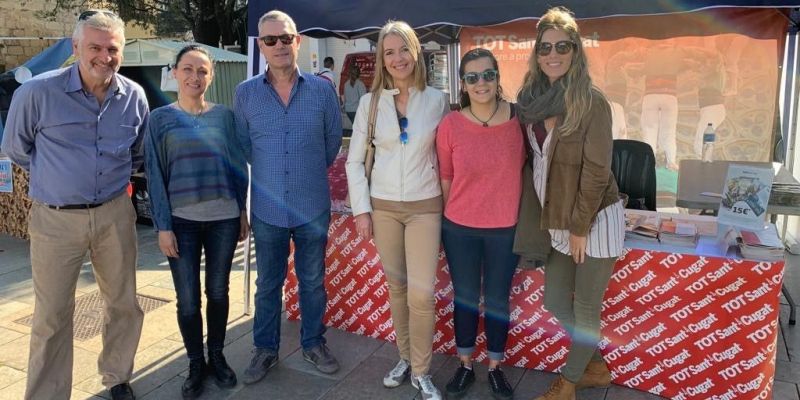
[78, 130]
[291, 130]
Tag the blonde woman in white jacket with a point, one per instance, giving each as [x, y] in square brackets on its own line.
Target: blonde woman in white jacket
[402, 203]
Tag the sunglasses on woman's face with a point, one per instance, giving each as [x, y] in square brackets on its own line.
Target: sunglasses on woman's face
[272, 40]
[403, 121]
[473, 77]
[562, 47]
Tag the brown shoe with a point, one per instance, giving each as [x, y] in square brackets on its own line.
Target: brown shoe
[596, 375]
[560, 389]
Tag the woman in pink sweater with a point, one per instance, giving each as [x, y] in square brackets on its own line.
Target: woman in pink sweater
[481, 154]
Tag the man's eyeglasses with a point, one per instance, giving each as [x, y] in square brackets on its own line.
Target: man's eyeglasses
[562, 47]
[272, 40]
[473, 77]
[89, 13]
[403, 121]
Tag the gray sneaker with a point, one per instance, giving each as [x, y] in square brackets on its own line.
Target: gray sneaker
[321, 357]
[397, 375]
[426, 387]
[262, 361]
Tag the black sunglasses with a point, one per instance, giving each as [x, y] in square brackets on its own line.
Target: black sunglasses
[403, 121]
[473, 77]
[87, 14]
[562, 47]
[272, 40]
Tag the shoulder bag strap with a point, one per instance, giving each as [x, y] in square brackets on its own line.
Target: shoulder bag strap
[373, 116]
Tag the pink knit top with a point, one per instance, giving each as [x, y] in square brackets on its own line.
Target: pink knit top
[485, 167]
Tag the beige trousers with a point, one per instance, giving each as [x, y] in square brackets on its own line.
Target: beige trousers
[408, 244]
[59, 242]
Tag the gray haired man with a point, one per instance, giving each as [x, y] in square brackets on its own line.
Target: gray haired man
[78, 130]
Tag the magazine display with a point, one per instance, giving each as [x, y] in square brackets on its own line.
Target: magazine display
[745, 196]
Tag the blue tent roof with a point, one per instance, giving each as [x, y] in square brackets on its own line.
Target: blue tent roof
[50, 58]
[354, 18]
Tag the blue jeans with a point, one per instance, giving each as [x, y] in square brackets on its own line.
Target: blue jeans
[272, 252]
[218, 239]
[475, 256]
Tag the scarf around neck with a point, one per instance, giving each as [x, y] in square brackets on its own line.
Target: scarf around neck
[540, 102]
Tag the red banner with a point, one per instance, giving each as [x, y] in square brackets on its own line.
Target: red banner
[680, 326]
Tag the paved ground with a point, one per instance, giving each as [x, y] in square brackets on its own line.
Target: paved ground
[161, 365]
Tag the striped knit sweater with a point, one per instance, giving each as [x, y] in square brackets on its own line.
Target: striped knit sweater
[191, 159]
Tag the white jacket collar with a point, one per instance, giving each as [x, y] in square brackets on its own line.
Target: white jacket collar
[395, 92]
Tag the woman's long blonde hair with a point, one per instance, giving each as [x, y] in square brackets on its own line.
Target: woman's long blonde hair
[382, 78]
[576, 82]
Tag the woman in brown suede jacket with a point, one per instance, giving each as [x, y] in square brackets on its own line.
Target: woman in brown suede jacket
[568, 125]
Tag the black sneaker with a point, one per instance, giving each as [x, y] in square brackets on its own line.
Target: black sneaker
[322, 358]
[261, 362]
[122, 391]
[460, 382]
[500, 388]
[220, 370]
[193, 385]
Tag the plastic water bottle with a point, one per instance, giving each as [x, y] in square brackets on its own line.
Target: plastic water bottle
[709, 137]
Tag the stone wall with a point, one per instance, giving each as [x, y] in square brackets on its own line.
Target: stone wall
[23, 34]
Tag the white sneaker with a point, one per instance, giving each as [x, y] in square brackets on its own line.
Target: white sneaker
[397, 375]
[426, 387]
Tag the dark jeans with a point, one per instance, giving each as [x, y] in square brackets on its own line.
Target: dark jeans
[218, 239]
[272, 252]
[475, 254]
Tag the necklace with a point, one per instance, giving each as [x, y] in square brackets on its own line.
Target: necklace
[486, 123]
[194, 114]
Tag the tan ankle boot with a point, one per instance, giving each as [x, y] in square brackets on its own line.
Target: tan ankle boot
[560, 389]
[596, 375]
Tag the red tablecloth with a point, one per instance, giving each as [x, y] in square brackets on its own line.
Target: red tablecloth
[677, 325]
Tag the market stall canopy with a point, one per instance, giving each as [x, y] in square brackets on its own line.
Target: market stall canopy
[51, 58]
[441, 20]
[161, 52]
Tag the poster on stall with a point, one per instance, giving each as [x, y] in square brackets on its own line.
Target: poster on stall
[745, 196]
[6, 176]
[667, 77]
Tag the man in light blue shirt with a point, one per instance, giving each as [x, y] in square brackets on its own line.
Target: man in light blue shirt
[291, 133]
[78, 131]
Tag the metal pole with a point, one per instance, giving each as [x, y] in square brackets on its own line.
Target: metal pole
[453, 59]
[247, 275]
[247, 242]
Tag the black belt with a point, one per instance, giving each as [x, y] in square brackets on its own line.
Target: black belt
[75, 206]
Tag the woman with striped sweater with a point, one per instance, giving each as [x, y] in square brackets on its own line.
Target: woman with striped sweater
[197, 180]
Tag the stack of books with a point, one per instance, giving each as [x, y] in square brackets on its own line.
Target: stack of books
[641, 227]
[677, 233]
[785, 194]
[761, 245]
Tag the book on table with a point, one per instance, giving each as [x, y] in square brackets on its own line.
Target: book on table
[761, 244]
[677, 233]
[641, 227]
